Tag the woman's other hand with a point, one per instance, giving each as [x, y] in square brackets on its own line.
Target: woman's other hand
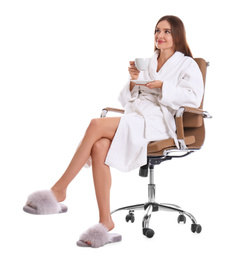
[133, 71]
[155, 84]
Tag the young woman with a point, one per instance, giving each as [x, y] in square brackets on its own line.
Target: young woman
[174, 80]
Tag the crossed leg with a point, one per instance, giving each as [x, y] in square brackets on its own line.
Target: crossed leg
[99, 133]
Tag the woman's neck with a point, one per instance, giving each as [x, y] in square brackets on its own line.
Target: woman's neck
[163, 57]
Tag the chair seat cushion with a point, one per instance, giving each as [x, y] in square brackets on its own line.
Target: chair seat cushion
[157, 146]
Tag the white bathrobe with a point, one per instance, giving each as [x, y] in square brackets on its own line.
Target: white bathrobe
[149, 113]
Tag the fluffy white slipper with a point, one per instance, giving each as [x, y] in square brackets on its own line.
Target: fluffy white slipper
[98, 236]
[43, 203]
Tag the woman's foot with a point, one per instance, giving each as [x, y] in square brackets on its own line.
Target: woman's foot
[43, 202]
[97, 236]
[108, 224]
[59, 194]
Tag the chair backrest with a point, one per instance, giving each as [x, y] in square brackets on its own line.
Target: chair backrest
[194, 124]
[203, 67]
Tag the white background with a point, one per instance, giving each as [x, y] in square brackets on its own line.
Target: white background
[61, 62]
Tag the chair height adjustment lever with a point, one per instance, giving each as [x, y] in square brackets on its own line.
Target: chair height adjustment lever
[143, 171]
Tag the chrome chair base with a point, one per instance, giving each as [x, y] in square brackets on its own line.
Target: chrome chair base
[152, 206]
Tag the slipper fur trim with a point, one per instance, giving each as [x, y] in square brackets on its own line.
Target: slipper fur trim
[96, 235]
[44, 202]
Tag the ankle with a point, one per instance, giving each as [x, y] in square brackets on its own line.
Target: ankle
[59, 194]
[109, 224]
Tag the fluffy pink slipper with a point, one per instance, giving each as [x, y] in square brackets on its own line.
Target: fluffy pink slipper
[98, 236]
[43, 203]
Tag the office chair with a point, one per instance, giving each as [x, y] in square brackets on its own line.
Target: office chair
[191, 135]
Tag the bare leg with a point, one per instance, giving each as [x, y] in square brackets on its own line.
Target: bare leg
[98, 128]
[102, 181]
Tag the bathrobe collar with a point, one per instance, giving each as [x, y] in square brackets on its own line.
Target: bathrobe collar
[167, 66]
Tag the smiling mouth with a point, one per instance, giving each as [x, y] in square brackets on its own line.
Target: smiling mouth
[160, 42]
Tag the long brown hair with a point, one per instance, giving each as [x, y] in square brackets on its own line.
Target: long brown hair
[178, 34]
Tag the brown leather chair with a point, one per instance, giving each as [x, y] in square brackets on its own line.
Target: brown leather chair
[191, 135]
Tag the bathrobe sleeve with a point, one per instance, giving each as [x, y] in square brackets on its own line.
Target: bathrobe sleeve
[186, 90]
[126, 95]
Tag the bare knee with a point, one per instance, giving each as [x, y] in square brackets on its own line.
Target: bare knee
[94, 124]
[103, 128]
[94, 128]
[100, 148]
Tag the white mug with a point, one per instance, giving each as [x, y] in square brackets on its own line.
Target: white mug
[142, 63]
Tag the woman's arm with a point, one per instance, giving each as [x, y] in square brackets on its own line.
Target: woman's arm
[155, 84]
[132, 84]
[134, 73]
[188, 91]
[125, 94]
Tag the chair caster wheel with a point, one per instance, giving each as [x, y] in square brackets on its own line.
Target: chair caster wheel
[148, 232]
[130, 217]
[196, 228]
[181, 218]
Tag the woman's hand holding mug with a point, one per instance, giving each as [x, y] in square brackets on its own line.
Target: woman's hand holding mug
[133, 71]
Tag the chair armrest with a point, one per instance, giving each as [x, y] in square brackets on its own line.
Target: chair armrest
[111, 109]
[180, 125]
[192, 110]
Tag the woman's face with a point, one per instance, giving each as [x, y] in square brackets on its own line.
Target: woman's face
[163, 36]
